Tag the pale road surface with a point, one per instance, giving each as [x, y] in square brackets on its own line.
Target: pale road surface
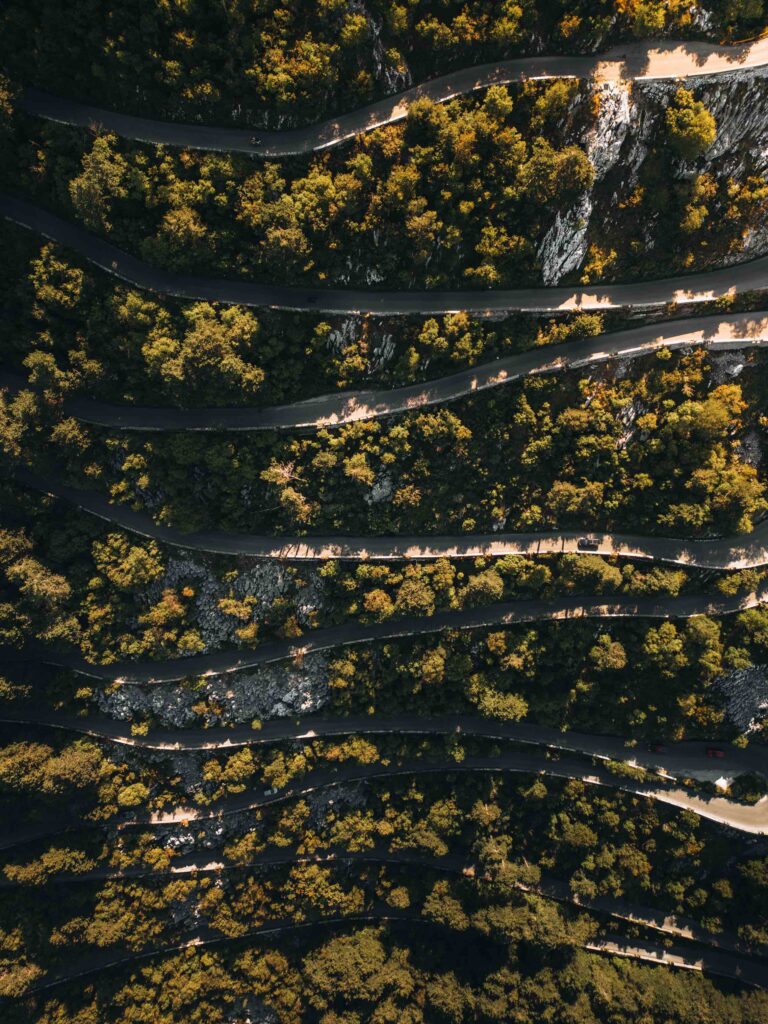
[752, 819]
[548, 888]
[676, 760]
[716, 333]
[746, 971]
[742, 817]
[744, 551]
[627, 63]
[706, 286]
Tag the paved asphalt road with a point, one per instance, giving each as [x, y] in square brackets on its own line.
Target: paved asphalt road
[752, 819]
[627, 63]
[678, 760]
[96, 961]
[717, 333]
[701, 287]
[502, 614]
[742, 817]
[746, 971]
[722, 959]
[742, 969]
[683, 60]
[548, 888]
[748, 550]
[748, 818]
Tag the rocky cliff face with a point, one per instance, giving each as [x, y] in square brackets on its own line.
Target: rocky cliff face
[746, 695]
[261, 583]
[565, 244]
[620, 139]
[394, 79]
[269, 691]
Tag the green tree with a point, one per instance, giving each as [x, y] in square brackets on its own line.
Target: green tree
[212, 356]
[127, 566]
[104, 178]
[608, 655]
[691, 128]
[664, 648]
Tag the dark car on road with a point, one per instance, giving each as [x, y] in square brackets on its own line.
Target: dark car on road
[585, 544]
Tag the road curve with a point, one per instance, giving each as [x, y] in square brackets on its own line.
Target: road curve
[710, 962]
[548, 888]
[739, 968]
[716, 333]
[677, 760]
[627, 63]
[752, 819]
[104, 959]
[743, 551]
[554, 889]
[706, 286]
[503, 614]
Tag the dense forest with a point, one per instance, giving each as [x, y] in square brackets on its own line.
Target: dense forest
[264, 60]
[205, 818]
[668, 449]
[465, 193]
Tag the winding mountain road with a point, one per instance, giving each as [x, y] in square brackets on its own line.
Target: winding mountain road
[744, 551]
[752, 818]
[548, 888]
[678, 760]
[97, 960]
[673, 925]
[703, 287]
[502, 614]
[746, 971]
[739, 968]
[749, 818]
[716, 333]
[631, 62]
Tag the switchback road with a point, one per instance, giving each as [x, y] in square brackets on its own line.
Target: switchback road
[744, 551]
[506, 614]
[552, 889]
[751, 818]
[675, 759]
[717, 333]
[627, 63]
[741, 969]
[706, 286]
[547, 888]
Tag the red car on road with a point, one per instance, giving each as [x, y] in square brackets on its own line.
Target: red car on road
[715, 752]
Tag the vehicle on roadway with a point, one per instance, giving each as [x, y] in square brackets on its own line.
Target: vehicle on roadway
[715, 752]
[255, 140]
[585, 544]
